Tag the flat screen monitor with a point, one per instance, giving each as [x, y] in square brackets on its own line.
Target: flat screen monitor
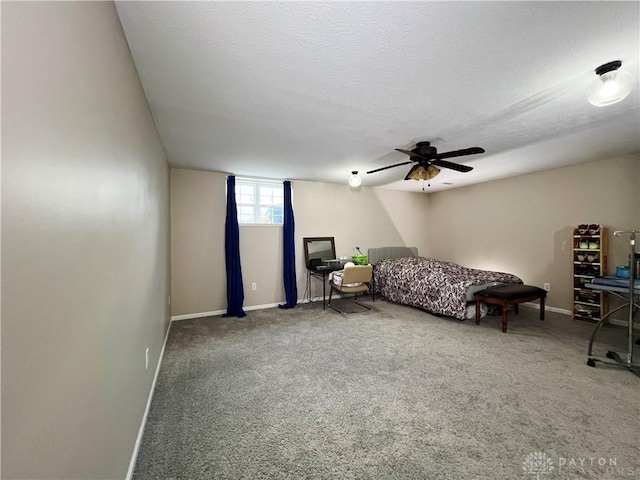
[318, 250]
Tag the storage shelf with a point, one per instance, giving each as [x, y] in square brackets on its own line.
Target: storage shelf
[589, 304]
[597, 300]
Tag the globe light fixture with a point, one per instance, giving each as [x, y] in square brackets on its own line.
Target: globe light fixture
[611, 86]
[354, 179]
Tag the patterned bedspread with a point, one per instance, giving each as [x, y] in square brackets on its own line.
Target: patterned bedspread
[439, 287]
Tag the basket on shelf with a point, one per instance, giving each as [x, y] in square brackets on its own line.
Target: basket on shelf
[360, 259]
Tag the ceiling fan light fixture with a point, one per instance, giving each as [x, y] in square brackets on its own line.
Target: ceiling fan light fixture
[422, 173]
[611, 86]
[355, 180]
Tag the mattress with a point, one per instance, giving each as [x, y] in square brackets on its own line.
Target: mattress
[477, 288]
[443, 288]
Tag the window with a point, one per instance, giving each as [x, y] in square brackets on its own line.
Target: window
[259, 202]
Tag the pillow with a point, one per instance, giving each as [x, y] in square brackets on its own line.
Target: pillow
[336, 277]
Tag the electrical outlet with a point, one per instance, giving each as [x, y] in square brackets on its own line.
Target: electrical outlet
[547, 287]
[254, 286]
[169, 300]
[146, 359]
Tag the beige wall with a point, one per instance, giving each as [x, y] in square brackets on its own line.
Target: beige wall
[197, 241]
[85, 228]
[521, 225]
[524, 224]
[365, 218]
[198, 282]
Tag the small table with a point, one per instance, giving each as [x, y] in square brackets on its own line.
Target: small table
[321, 272]
[506, 295]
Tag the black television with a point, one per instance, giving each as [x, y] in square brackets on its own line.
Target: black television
[318, 250]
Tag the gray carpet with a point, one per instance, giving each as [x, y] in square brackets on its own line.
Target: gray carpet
[394, 393]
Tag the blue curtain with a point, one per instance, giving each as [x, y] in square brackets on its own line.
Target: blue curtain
[235, 290]
[289, 270]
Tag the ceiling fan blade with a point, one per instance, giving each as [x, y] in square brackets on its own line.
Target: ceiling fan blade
[453, 166]
[390, 166]
[459, 153]
[410, 153]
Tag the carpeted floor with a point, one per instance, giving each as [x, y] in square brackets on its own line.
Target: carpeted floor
[394, 393]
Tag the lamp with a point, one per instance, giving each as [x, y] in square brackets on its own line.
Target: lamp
[611, 86]
[419, 172]
[354, 179]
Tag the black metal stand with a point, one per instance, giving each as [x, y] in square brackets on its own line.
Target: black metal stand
[629, 295]
[373, 283]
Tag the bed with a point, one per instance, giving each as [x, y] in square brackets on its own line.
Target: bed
[442, 288]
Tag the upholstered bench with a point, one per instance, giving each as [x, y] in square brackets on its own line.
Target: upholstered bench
[506, 295]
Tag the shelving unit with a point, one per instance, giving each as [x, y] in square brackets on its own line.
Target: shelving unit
[589, 261]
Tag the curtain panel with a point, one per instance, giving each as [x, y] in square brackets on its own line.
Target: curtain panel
[235, 290]
[289, 251]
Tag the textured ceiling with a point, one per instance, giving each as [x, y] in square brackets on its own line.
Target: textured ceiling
[313, 90]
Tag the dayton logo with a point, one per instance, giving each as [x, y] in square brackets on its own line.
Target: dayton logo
[537, 463]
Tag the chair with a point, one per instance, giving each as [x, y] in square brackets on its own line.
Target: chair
[356, 274]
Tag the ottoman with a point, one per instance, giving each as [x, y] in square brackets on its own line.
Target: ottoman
[506, 295]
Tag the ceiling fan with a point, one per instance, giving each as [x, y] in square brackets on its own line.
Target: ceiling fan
[429, 160]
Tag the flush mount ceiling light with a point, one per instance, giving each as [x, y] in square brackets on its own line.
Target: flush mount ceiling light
[611, 86]
[354, 179]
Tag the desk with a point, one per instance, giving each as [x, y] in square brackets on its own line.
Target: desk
[321, 272]
[633, 303]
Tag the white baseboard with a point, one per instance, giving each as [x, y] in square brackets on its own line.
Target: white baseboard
[260, 307]
[143, 424]
[613, 321]
[564, 311]
[214, 313]
[189, 316]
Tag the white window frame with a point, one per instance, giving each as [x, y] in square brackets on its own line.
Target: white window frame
[242, 205]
